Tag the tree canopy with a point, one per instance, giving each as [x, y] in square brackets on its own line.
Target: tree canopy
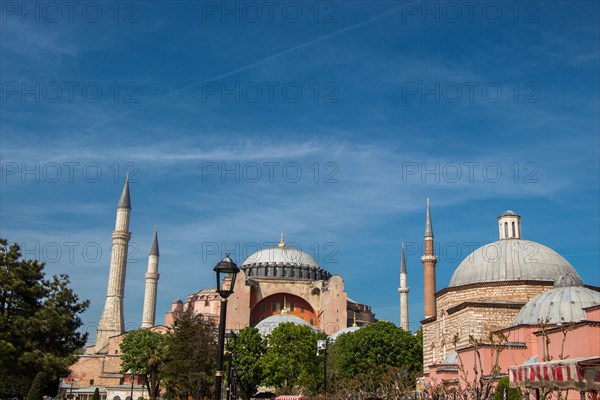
[291, 361]
[143, 353]
[39, 322]
[378, 346]
[247, 351]
[191, 357]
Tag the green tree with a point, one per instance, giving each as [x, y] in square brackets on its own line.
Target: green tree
[191, 357]
[249, 348]
[379, 359]
[36, 392]
[290, 362]
[39, 319]
[143, 352]
[96, 395]
[379, 345]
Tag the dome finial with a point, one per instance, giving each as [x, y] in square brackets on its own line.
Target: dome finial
[284, 310]
[354, 323]
[281, 241]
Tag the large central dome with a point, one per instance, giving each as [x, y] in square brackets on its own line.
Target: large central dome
[282, 262]
[281, 256]
[511, 260]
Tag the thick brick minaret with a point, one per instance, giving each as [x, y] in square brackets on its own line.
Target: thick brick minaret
[112, 323]
[149, 313]
[403, 290]
[429, 260]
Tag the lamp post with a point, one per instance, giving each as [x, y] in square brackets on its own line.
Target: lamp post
[132, 379]
[226, 271]
[322, 346]
[230, 336]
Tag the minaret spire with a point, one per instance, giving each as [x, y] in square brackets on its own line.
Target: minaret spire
[429, 261]
[124, 201]
[112, 322]
[403, 291]
[428, 228]
[149, 314]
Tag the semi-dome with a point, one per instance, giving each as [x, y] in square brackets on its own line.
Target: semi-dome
[562, 304]
[349, 329]
[283, 262]
[267, 325]
[512, 260]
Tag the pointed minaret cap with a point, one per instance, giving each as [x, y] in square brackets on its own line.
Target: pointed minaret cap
[403, 261]
[124, 202]
[154, 246]
[428, 228]
[281, 242]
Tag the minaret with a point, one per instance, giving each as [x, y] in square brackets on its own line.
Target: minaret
[112, 322]
[429, 260]
[403, 290]
[151, 285]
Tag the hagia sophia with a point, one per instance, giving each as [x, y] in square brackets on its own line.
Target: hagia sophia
[513, 286]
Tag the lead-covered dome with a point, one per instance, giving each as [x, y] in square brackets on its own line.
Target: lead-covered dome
[511, 260]
[562, 304]
[283, 262]
[267, 325]
[283, 256]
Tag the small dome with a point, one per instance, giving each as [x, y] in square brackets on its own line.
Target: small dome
[512, 260]
[178, 301]
[508, 213]
[558, 305]
[568, 280]
[349, 329]
[267, 325]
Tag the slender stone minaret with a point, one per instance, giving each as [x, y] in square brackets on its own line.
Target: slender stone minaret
[403, 290]
[151, 285]
[429, 260]
[112, 322]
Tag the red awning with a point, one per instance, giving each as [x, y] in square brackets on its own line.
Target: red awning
[574, 373]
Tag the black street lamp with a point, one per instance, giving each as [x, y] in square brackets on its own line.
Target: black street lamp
[226, 271]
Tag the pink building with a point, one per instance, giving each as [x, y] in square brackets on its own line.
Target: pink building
[513, 305]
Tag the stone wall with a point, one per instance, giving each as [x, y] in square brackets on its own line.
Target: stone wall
[487, 308]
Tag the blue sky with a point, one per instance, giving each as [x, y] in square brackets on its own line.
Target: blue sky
[332, 121]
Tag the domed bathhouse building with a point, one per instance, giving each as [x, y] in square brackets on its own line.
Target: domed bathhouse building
[280, 281]
[521, 290]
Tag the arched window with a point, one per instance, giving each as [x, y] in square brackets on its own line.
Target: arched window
[513, 229]
[506, 230]
[116, 398]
